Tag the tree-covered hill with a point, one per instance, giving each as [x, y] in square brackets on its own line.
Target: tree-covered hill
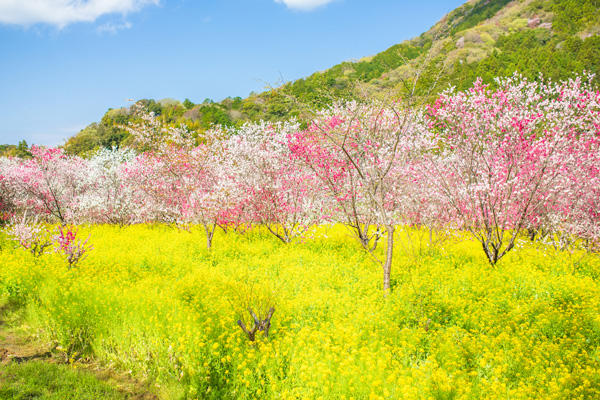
[482, 38]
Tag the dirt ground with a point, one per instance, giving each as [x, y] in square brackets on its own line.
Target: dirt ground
[18, 347]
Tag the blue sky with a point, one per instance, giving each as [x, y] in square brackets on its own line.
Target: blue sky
[63, 63]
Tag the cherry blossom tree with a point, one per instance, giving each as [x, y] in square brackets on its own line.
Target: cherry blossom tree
[108, 198]
[363, 154]
[7, 190]
[278, 191]
[67, 243]
[524, 157]
[30, 235]
[152, 194]
[50, 183]
[505, 158]
[150, 134]
[206, 193]
[574, 219]
[182, 182]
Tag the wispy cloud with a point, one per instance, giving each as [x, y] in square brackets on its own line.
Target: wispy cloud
[61, 13]
[112, 28]
[304, 5]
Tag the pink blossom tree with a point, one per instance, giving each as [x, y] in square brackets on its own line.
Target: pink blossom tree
[30, 235]
[505, 158]
[363, 154]
[277, 190]
[574, 219]
[71, 246]
[206, 193]
[7, 190]
[182, 182]
[50, 183]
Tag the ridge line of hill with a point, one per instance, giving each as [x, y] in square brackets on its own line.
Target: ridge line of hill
[481, 38]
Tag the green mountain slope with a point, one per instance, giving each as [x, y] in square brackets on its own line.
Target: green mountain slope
[482, 38]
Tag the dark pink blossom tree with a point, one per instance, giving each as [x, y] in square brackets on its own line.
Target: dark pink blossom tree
[506, 159]
[50, 184]
[364, 155]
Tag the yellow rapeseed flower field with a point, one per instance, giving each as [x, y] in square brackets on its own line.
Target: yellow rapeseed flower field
[152, 299]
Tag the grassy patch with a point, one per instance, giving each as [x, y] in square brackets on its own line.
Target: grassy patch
[41, 380]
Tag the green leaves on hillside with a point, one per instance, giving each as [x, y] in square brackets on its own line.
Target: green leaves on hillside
[470, 15]
[571, 45]
[530, 54]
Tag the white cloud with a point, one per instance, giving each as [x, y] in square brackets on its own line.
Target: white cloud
[64, 12]
[304, 5]
[113, 28]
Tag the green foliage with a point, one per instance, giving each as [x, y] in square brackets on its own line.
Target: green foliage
[21, 150]
[392, 58]
[320, 88]
[108, 133]
[530, 53]
[86, 140]
[556, 53]
[470, 15]
[572, 16]
[213, 113]
[572, 45]
[188, 104]
[46, 381]
[236, 103]
[7, 150]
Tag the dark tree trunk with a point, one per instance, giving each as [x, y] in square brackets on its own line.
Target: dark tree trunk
[209, 235]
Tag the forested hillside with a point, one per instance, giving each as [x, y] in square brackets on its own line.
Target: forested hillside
[482, 38]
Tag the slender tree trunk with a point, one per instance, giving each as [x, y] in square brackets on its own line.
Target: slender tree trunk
[209, 236]
[283, 237]
[387, 266]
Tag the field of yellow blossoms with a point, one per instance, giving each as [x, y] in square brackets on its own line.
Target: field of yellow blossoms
[152, 300]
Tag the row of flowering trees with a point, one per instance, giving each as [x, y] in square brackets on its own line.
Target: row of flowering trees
[522, 158]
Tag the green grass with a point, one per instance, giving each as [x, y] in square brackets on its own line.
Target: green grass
[45, 381]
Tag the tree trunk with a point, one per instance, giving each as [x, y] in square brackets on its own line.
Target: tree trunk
[491, 253]
[387, 266]
[209, 235]
[283, 237]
